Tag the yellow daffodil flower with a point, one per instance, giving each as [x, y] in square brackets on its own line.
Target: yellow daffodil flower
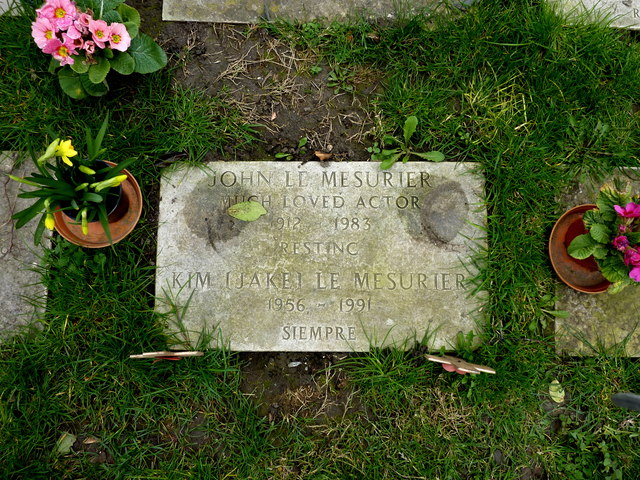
[87, 170]
[65, 150]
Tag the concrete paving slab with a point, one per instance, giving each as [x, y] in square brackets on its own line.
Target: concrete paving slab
[347, 256]
[254, 11]
[19, 283]
[617, 13]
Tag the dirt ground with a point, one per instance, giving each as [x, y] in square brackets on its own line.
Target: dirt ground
[292, 97]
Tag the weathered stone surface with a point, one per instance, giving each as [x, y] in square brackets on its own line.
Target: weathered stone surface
[253, 11]
[617, 13]
[19, 285]
[603, 320]
[347, 255]
[8, 6]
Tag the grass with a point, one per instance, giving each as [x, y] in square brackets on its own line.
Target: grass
[533, 100]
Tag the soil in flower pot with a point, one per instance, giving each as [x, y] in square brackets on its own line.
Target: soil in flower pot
[581, 275]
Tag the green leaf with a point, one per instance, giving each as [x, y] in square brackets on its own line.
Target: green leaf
[64, 443]
[132, 29]
[98, 72]
[601, 252]
[94, 144]
[148, 55]
[388, 161]
[614, 269]
[93, 89]
[92, 197]
[130, 18]
[410, 125]
[79, 64]
[556, 392]
[600, 233]
[431, 156]
[592, 216]
[26, 215]
[112, 16]
[102, 215]
[390, 140]
[53, 65]
[303, 141]
[247, 211]
[70, 83]
[617, 287]
[582, 247]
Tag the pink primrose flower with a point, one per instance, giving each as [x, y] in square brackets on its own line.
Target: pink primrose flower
[89, 47]
[622, 228]
[60, 51]
[72, 43]
[620, 243]
[634, 274]
[631, 210]
[62, 13]
[631, 257]
[42, 30]
[120, 38]
[73, 32]
[100, 32]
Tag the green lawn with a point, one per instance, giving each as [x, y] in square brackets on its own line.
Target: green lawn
[533, 100]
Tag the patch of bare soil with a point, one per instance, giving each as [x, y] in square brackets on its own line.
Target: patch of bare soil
[289, 94]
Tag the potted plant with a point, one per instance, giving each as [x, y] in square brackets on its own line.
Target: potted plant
[611, 237]
[84, 199]
[89, 38]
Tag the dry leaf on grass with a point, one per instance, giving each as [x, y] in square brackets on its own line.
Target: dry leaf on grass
[323, 156]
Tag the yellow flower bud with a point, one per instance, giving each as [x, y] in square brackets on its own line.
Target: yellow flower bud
[49, 221]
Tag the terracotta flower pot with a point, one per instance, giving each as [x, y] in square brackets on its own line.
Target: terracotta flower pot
[121, 221]
[581, 275]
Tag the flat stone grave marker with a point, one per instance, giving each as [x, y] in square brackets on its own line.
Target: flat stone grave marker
[347, 256]
[617, 13]
[19, 283]
[254, 11]
[601, 320]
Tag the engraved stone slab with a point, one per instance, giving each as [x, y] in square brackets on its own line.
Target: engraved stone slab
[254, 11]
[602, 320]
[19, 284]
[617, 13]
[347, 256]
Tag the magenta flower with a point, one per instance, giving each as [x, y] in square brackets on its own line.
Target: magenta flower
[42, 30]
[62, 13]
[100, 32]
[631, 210]
[120, 38]
[620, 243]
[622, 228]
[60, 51]
[634, 274]
[631, 257]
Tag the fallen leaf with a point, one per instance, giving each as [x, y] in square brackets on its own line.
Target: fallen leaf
[273, 116]
[90, 440]
[247, 211]
[323, 156]
[556, 391]
[64, 443]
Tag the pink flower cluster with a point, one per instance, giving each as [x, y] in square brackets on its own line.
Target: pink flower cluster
[62, 30]
[629, 212]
